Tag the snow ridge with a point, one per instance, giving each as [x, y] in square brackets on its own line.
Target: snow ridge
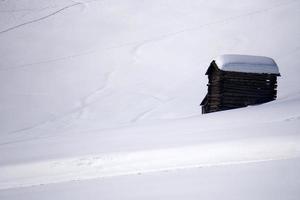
[124, 163]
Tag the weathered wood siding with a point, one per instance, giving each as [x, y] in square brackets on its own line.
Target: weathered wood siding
[229, 90]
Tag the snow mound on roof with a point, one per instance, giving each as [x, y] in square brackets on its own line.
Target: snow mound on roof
[247, 63]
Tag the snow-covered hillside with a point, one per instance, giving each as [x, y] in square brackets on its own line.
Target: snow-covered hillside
[101, 91]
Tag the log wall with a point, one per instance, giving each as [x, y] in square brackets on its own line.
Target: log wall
[229, 90]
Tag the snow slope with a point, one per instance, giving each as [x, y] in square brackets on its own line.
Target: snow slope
[232, 181]
[100, 88]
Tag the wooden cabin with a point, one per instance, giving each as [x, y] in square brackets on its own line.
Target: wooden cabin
[236, 81]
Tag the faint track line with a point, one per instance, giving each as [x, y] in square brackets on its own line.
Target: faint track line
[142, 115]
[62, 58]
[38, 19]
[25, 10]
[85, 102]
[217, 22]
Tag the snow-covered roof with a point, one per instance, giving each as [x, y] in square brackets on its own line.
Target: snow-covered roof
[247, 63]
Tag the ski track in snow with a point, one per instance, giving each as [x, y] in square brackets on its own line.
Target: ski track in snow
[142, 44]
[83, 104]
[143, 114]
[44, 7]
[91, 98]
[27, 10]
[160, 101]
[126, 163]
[139, 44]
[39, 19]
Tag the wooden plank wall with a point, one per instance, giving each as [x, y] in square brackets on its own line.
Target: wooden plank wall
[229, 90]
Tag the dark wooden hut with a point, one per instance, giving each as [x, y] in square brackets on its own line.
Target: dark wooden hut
[236, 81]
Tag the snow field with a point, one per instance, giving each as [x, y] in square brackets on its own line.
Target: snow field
[92, 91]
